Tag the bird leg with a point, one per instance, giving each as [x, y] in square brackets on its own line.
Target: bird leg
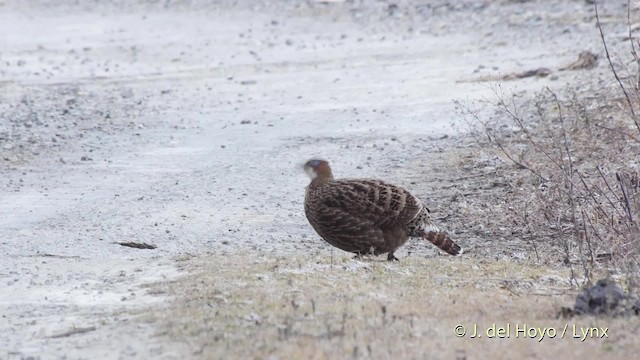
[392, 257]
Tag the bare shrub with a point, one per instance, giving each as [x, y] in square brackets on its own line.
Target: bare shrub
[577, 177]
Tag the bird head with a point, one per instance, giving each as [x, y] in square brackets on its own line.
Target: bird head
[318, 169]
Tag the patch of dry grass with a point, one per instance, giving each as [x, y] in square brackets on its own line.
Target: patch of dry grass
[250, 306]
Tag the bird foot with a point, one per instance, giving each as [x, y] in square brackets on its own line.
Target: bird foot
[392, 257]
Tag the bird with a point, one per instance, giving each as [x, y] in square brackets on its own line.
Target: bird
[367, 216]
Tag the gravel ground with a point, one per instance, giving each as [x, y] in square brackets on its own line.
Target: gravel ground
[182, 125]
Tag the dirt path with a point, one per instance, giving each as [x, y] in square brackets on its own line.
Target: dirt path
[184, 127]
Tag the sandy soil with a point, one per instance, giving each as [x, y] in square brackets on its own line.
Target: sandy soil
[182, 125]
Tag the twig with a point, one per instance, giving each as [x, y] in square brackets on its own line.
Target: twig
[606, 182]
[615, 73]
[626, 199]
[620, 132]
[564, 131]
[462, 111]
[493, 140]
[137, 245]
[595, 204]
[526, 219]
[595, 231]
[569, 177]
[567, 254]
[633, 47]
[73, 331]
[586, 235]
[515, 117]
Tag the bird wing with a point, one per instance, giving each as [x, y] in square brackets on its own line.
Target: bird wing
[374, 202]
[346, 230]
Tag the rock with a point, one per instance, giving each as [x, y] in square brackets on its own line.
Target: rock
[600, 298]
[606, 298]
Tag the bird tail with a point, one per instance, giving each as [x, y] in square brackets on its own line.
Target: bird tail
[443, 241]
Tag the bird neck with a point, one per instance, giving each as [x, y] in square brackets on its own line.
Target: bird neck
[321, 179]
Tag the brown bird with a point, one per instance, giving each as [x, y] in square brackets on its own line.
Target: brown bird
[367, 216]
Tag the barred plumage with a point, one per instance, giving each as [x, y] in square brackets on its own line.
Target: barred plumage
[367, 216]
